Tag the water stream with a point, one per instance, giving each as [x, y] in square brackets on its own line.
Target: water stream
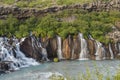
[59, 50]
[72, 69]
[18, 61]
[84, 51]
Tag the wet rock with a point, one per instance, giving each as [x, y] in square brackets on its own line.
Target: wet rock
[77, 47]
[4, 66]
[68, 47]
[91, 48]
[107, 52]
[31, 49]
[114, 49]
[52, 48]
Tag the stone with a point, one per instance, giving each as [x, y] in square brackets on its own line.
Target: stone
[30, 48]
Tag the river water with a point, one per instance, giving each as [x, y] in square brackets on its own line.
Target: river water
[67, 68]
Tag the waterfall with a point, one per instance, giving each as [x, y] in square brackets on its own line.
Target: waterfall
[59, 50]
[111, 52]
[119, 47]
[36, 45]
[18, 61]
[72, 57]
[20, 55]
[84, 51]
[90, 37]
[100, 51]
[44, 54]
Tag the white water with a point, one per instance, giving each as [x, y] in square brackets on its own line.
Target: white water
[84, 50]
[111, 52]
[6, 54]
[44, 54]
[59, 50]
[100, 51]
[119, 47]
[72, 53]
[90, 37]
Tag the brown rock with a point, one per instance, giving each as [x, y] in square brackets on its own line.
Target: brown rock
[91, 48]
[30, 48]
[68, 47]
[114, 49]
[77, 47]
[108, 56]
[52, 48]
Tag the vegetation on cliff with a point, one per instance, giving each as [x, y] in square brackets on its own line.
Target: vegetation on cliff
[48, 3]
[98, 24]
[69, 21]
[41, 3]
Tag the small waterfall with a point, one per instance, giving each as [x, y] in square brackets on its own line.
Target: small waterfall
[90, 37]
[36, 44]
[119, 47]
[100, 51]
[59, 50]
[20, 55]
[72, 57]
[44, 54]
[18, 61]
[84, 51]
[111, 52]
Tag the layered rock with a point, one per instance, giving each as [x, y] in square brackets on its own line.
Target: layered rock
[30, 48]
[91, 48]
[52, 48]
[68, 47]
[23, 13]
[11, 58]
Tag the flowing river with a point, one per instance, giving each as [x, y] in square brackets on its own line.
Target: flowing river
[67, 68]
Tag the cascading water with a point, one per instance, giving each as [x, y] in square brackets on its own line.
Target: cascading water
[119, 47]
[59, 50]
[18, 61]
[111, 52]
[22, 57]
[84, 51]
[36, 45]
[100, 51]
[72, 57]
[44, 54]
[90, 37]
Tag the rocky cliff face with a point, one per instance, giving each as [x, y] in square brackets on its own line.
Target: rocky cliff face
[23, 13]
[31, 49]
[73, 48]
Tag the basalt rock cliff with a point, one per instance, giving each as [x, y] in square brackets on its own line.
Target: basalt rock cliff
[23, 13]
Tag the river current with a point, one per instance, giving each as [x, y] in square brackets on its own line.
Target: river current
[67, 68]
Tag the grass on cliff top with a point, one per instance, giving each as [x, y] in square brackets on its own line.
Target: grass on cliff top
[43, 3]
